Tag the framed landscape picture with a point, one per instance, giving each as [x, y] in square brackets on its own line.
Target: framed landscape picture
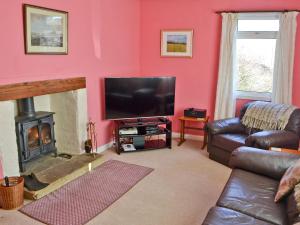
[176, 43]
[46, 30]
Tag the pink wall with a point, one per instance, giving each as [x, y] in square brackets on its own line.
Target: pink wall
[104, 40]
[197, 77]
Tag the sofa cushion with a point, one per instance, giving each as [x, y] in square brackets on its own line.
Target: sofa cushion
[297, 196]
[291, 209]
[224, 216]
[253, 195]
[229, 142]
[287, 183]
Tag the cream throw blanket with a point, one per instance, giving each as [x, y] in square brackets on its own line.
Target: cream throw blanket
[267, 116]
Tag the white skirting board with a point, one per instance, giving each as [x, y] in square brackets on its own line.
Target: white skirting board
[104, 147]
[176, 135]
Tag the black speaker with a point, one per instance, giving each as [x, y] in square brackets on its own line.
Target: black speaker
[196, 113]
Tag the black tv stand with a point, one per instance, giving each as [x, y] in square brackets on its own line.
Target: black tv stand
[140, 121]
[150, 134]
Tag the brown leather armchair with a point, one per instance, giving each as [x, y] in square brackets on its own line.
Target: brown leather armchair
[228, 134]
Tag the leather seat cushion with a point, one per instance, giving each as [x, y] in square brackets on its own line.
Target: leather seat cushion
[224, 216]
[253, 195]
[229, 142]
[291, 209]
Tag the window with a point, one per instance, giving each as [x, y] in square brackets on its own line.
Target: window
[255, 46]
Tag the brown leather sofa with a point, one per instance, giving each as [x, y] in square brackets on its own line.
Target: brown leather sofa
[248, 197]
[228, 134]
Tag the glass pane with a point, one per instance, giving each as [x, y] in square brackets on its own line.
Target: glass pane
[255, 64]
[46, 133]
[258, 25]
[33, 138]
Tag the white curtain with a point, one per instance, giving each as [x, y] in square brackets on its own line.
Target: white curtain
[225, 100]
[284, 59]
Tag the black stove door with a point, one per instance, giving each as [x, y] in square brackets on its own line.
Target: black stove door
[47, 134]
[32, 141]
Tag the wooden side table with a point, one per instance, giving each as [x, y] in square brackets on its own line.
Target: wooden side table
[202, 121]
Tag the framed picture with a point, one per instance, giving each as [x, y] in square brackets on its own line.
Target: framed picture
[176, 43]
[45, 30]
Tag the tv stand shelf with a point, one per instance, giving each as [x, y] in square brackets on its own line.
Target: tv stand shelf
[159, 137]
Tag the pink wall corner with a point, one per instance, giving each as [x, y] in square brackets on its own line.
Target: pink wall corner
[197, 77]
[104, 37]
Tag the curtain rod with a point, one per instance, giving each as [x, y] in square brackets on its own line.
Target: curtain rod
[264, 11]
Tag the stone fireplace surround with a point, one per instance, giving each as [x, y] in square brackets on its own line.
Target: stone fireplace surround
[70, 118]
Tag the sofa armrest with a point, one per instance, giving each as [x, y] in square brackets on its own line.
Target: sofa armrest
[273, 138]
[268, 163]
[232, 125]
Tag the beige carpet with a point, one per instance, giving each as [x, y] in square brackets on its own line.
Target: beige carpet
[180, 191]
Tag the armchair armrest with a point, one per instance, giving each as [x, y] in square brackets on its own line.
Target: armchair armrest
[232, 125]
[273, 138]
[268, 163]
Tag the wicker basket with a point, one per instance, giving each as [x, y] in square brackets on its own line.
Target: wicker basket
[13, 196]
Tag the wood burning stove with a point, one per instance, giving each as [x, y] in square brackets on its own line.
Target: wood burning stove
[35, 132]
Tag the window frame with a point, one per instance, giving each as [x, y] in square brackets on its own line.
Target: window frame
[253, 95]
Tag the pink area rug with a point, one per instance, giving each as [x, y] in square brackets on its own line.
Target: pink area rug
[84, 198]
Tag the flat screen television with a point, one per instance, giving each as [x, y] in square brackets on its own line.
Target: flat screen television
[127, 98]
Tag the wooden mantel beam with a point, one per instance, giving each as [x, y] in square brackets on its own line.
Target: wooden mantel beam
[37, 88]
